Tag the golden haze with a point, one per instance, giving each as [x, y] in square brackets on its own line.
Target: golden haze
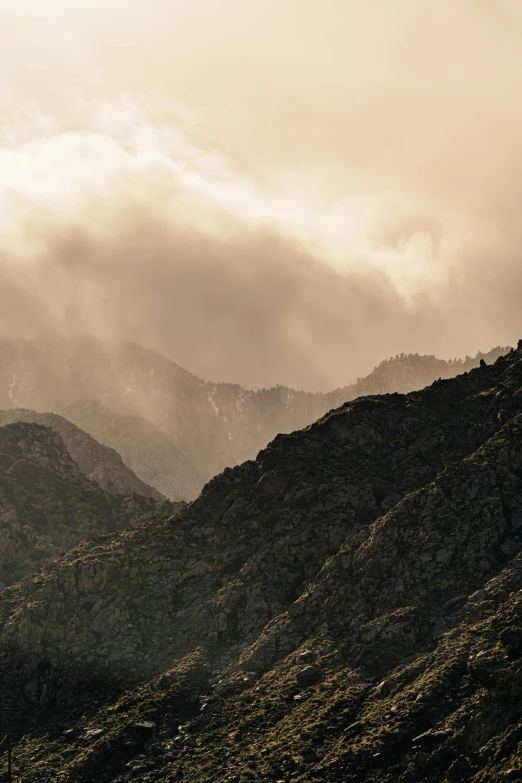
[275, 191]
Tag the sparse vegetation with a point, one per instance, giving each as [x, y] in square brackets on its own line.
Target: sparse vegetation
[347, 607]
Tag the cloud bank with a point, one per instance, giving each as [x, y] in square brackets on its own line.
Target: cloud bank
[278, 193]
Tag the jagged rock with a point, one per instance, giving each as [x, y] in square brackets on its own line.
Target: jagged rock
[307, 656]
[242, 581]
[308, 675]
[460, 770]
[92, 734]
[383, 689]
[431, 738]
[453, 603]
[143, 731]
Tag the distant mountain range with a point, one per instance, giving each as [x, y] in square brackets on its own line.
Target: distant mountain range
[174, 430]
[345, 607]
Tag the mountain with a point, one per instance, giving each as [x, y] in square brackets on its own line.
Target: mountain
[47, 505]
[173, 429]
[346, 607]
[97, 462]
[153, 454]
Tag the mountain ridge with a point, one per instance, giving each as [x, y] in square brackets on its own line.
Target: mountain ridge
[345, 607]
[47, 505]
[99, 463]
[173, 429]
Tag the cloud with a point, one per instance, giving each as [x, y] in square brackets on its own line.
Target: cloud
[266, 202]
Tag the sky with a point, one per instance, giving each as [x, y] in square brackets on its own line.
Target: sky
[266, 191]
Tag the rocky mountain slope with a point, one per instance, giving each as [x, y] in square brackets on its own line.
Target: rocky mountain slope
[99, 463]
[348, 606]
[47, 505]
[174, 430]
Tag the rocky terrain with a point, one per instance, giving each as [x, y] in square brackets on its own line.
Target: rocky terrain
[47, 505]
[173, 429]
[346, 607]
[99, 463]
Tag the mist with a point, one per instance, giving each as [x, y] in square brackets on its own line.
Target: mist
[265, 192]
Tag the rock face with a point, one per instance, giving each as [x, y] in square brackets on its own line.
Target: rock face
[174, 430]
[97, 462]
[48, 506]
[348, 606]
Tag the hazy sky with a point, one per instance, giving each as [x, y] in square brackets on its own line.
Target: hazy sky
[268, 191]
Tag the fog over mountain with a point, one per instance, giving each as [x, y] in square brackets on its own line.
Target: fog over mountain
[347, 607]
[173, 429]
[264, 192]
[260, 391]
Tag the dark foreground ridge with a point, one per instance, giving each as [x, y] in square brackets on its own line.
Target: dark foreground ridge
[347, 607]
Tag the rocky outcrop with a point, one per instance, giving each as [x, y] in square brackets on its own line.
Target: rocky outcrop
[47, 505]
[348, 606]
[173, 429]
[99, 463]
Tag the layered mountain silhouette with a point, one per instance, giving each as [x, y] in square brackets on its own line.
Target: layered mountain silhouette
[99, 463]
[174, 430]
[345, 607]
[48, 505]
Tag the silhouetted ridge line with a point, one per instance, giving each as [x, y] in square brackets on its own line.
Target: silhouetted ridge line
[174, 430]
[345, 607]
